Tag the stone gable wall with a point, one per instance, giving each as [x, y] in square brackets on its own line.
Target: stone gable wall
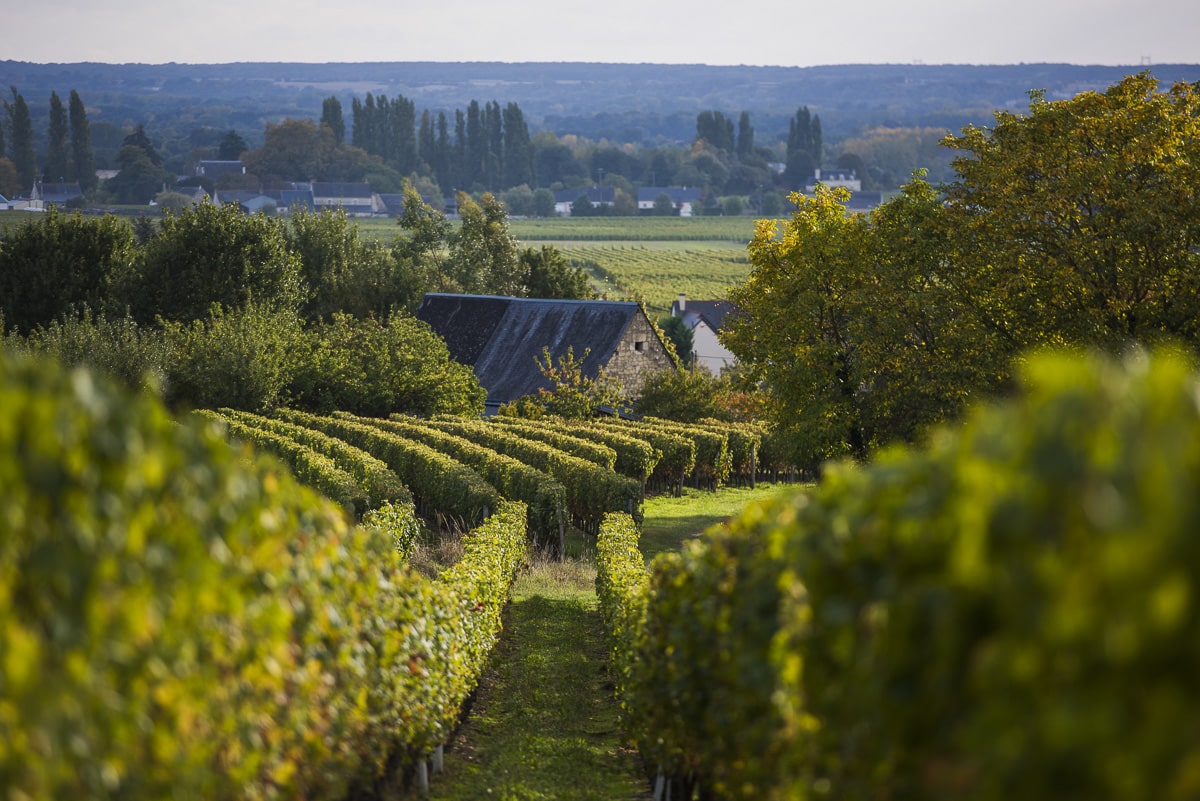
[629, 364]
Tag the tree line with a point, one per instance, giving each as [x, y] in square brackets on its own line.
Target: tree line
[252, 312]
[383, 141]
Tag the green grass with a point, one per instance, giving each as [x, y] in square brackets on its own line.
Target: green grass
[544, 724]
[672, 521]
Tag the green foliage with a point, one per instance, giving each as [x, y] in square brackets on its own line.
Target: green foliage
[547, 274]
[140, 358]
[573, 394]
[442, 487]
[483, 253]
[677, 453]
[375, 368]
[216, 255]
[59, 263]
[591, 489]
[1005, 614]
[381, 484]
[543, 496]
[635, 458]
[622, 587]
[1065, 225]
[346, 274]
[681, 337]
[163, 608]
[20, 129]
[312, 468]
[242, 358]
[1075, 219]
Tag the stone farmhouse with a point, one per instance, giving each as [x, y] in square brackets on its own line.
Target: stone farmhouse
[502, 338]
[704, 318]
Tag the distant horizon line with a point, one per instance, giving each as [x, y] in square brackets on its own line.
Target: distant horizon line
[916, 63]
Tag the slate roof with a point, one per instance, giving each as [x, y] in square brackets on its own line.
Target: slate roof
[359, 191]
[213, 168]
[59, 192]
[595, 194]
[677, 194]
[503, 337]
[712, 312]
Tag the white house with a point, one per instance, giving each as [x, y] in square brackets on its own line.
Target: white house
[354, 198]
[564, 199]
[704, 318]
[835, 177]
[682, 198]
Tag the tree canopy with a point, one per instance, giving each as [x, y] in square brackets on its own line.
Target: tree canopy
[1072, 224]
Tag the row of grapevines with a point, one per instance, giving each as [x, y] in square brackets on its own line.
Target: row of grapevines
[308, 465]
[441, 485]
[1009, 613]
[177, 620]
[593, 451]
[382, 485]
[544, 496]
[591, 490]
[635, 458]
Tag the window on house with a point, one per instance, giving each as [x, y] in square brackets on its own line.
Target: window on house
[639, 346]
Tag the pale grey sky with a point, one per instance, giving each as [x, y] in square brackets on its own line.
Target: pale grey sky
[770, 32]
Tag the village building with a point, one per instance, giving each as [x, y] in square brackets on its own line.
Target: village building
[565, 199]
[705, 318]
[685, 200]
[503, 338]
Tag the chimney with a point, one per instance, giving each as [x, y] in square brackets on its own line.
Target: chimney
[682, 303]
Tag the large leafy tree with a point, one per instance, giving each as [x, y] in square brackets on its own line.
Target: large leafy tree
[1079, 219]
[483, 253]
[60, 263]
[794, 329]
[1072, 224]
[216, 255]
[141, 176]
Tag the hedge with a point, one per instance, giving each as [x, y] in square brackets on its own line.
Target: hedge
[635, 457]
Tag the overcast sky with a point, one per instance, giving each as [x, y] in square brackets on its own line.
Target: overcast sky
[766, 32]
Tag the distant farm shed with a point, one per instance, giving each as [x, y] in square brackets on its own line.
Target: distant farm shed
[502, 339]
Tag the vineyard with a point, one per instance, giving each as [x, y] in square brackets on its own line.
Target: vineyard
[180, 617]
[657, 274]
[1010, 613]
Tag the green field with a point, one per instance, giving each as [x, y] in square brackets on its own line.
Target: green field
[656, 272]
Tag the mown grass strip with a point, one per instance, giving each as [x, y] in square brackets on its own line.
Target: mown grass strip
[545, 723]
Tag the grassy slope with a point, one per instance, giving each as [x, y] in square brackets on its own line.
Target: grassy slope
[544, 724]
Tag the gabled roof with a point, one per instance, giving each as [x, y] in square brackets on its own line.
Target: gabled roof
[712, 312]
[595, 194]
[213, 168]
[502, 338]
[677, 194]
[293, 198]
[360, 191]
[58, 192]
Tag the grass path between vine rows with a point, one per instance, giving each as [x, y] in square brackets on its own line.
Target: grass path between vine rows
[544, 725]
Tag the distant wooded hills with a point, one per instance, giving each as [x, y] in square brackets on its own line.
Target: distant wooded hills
[639, 103]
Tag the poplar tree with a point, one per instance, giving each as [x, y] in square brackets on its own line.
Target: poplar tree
[331, 115]
[83, 159]
[20, 127]
[57, 156]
